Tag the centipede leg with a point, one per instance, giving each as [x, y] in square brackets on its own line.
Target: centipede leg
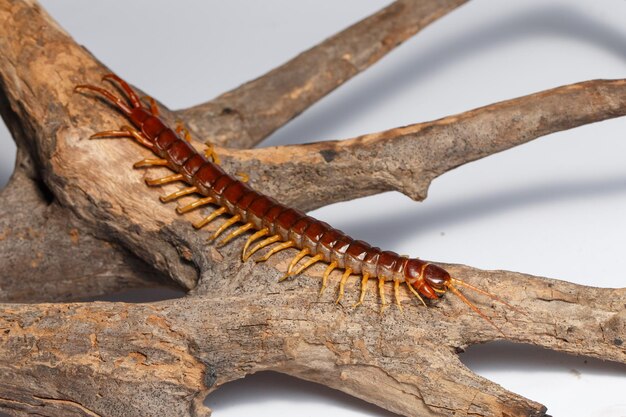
[263, 232]
[198, 203]
[165, 180]
[415, 293]
[154, 109]
[308, 263]
[225, 226]
[180, 193]
[209, 152]
[396, 293]
[145, 163]
[181, 129]
[209, 218]
[262, 244]
[285, 245]
[125, 132]
[364, 280]
[381, 292]
[342, 284]
[327, 272]
[294, 261]
[240, 230]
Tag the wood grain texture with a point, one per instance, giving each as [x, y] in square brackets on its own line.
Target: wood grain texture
[116, 359]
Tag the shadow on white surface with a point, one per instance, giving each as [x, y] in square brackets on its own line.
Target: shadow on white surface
[480, 205]
[267, 389]
[552, 21]
[504, 356]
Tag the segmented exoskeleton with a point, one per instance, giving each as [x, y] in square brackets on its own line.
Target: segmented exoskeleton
[269, 220]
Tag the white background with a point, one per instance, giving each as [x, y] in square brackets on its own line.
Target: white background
[554, 207]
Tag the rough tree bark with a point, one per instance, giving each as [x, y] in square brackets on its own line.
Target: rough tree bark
[93, 228]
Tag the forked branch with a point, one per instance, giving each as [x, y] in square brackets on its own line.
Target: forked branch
[243, 117]
[162, 358]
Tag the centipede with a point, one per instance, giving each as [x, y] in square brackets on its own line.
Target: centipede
[270, 226]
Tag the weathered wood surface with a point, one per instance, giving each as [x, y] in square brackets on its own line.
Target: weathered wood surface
[101, 223]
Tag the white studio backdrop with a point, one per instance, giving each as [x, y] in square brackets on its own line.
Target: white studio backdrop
[554, 207]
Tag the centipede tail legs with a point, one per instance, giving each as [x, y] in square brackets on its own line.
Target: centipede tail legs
[271, 224]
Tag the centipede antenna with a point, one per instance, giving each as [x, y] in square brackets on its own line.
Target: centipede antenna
[488, 294]
[473, 307]
[133, 97]
[115, 101]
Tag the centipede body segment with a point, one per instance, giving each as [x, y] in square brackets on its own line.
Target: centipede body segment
[273, 226]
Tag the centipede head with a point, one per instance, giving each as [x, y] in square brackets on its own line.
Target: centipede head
[428, 279]
[432, 281]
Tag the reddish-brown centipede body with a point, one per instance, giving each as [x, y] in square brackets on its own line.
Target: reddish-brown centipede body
[271, 222]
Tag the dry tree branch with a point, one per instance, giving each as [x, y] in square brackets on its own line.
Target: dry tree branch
[112, 359]
[245, 116]
[407, 159]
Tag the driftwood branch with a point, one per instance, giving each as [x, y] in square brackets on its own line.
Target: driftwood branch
[243, 117]
[163, 358]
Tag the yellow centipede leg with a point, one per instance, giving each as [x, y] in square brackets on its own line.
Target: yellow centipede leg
[342, 284]
[180, 128]
[285, 245]
[329, 269]
[165, 180]
[294, 261]
[415, 293]
[209, 152]
[263, 232]
[198, 203]
[151, 163]
[396, 293]
[308, 263]
[364, 280]
[262, 244]
[209, 218]
[225, 226]
[180, 193]
[125, 132]
[154, 109]
[381, 291]
[241, 229]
